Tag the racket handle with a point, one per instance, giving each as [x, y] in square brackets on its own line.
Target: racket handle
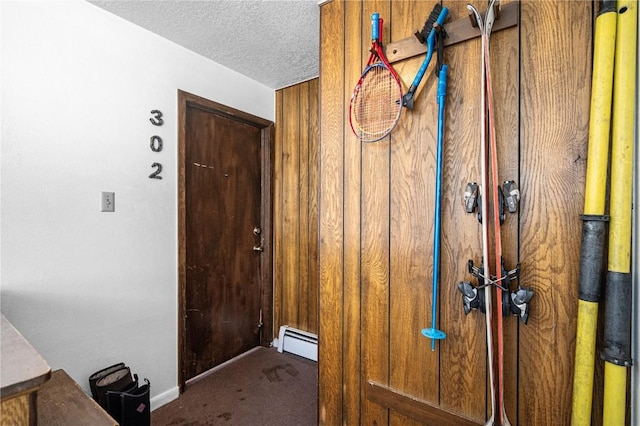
[375, 26]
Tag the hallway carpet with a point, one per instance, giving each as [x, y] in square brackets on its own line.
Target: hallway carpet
[260, 388]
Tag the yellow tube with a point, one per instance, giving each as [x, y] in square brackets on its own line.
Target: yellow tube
[615, 394]
[617, 335]
[623, 138]
[600, 114]
[584, 363]
[594, 228]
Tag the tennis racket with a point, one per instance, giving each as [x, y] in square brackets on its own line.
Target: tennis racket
[376, 102]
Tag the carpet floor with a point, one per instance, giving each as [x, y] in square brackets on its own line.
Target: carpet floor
[262, 387]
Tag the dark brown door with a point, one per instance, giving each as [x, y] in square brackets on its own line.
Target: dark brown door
[223, 237]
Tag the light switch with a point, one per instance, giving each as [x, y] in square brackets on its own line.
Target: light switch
[108, 202]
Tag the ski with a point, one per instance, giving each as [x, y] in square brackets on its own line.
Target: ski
[472, 297]
[501, 197]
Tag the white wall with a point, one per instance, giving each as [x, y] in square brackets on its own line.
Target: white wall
[86, 288]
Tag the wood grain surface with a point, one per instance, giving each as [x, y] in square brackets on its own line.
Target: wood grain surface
[376, 210]
[554, 118]
[331, 216]
[413, 365]
[351, 292]
[464, 361]
[296, 207]
[374, 247]
[290, 209]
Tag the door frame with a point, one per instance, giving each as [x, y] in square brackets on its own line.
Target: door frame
[266, 127]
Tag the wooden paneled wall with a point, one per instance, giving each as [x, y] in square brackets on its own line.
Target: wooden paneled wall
[296, 207]
[376, 218]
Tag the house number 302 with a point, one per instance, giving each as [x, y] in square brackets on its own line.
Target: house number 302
[155, 143]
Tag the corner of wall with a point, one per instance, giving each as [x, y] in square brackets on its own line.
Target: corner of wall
[165, 398]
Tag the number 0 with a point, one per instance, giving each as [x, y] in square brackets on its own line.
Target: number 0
[155, 143]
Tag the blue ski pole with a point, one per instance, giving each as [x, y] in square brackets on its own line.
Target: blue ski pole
[432, 332]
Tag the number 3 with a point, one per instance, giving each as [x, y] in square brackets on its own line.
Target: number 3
[157, 119]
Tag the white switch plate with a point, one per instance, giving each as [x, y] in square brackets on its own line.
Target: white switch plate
[108, 202]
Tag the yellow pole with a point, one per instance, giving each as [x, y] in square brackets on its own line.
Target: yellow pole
[600, 113]
[617, 318]
[594, 219]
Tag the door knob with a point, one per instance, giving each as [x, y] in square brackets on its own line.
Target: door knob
[257, 248]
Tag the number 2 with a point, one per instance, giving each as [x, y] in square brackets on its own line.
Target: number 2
[156, 174]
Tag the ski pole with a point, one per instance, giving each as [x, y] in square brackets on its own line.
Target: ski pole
[617, 316]
[432, 332]
[594, 220]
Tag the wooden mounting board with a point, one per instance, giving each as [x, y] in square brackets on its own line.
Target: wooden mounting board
[413, 407]
[457, 32]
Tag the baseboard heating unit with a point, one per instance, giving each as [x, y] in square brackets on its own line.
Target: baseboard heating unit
[298, 342]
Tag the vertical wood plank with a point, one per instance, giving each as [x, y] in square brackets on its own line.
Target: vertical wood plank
[555, 91]
[413, 365]
[312, 165]
[463, 364]
[297, 135]
[303, 210]
[352, 280]
[374, 250]
[330, 363]
[291, 206]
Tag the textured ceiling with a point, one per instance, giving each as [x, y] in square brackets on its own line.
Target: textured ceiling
[274, 42]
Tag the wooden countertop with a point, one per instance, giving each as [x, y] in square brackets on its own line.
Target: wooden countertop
[61, 401]
[22, 368]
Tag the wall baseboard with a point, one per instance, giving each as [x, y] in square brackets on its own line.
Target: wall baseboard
[165, 398]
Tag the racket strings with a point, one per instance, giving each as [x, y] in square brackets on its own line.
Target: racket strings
[377, 104]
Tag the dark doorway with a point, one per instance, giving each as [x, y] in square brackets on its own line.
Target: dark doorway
[224, 231]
